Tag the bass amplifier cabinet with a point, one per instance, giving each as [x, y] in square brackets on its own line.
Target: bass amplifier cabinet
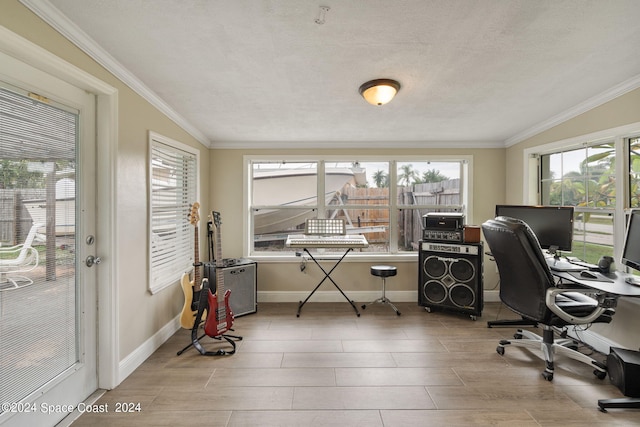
[239, 275]
[450, 277]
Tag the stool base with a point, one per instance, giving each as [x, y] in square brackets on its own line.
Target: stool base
[383, 300]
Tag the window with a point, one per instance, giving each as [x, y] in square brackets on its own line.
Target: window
[585, 178]
[425, 187]
[173, 173]
[285, 192]
[39, 140]
[634, 172]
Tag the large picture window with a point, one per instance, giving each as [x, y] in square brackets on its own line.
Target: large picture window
[382, 199]
[585, 178]
[173, 176]
[634, 172]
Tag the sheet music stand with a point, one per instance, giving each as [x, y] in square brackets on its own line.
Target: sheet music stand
[325, 227]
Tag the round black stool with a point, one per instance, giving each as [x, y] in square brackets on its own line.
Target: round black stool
[383, 271]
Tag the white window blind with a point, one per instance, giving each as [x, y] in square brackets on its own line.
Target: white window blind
[38, 326]
[173, 177]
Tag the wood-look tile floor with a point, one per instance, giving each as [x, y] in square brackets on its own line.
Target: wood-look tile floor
[329, 367]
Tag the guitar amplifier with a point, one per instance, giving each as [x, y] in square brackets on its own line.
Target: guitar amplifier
[239, 275]
[450, 277]
[443, 227]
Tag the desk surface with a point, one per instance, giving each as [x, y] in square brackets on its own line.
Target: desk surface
[616, 285]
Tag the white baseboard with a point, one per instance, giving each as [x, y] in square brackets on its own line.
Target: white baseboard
[335, 296]
[492, 296]
[134, 359]
[360, 296]
[595, 340]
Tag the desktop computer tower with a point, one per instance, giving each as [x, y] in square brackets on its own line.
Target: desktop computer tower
[450, 277]
[624, 370]
[238, 275]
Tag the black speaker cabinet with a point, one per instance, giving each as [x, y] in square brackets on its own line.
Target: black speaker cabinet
[450, 277]
[239, 275]
[624, 370]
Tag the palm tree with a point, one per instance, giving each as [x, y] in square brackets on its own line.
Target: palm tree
[433, 175]
[381, 179]
[408, 174]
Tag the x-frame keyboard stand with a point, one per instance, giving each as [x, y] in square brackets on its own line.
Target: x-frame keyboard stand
[327, 275]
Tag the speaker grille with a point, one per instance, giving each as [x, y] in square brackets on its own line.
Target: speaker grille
[434, 267]
[462, 270]
[462, 295]
[241, 279]
[435, 292]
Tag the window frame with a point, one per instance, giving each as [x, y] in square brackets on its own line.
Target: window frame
[184, 242]
[532, 187]
[466, 190]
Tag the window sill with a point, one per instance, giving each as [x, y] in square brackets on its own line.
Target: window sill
[351, 257]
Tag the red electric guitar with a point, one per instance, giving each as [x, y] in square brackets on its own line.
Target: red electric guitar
[220, 318]
[191, 289]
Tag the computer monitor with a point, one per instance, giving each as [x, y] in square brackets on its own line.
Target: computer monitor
[631, 249]
[552, 225]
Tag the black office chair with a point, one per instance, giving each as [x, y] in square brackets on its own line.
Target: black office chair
[528, 288]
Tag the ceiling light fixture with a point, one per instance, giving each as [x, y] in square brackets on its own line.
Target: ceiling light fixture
[379, 91]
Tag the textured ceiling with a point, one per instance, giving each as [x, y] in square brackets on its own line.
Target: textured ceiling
[264, 73]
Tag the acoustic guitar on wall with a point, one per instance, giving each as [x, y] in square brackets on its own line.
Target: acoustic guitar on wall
[192, 288]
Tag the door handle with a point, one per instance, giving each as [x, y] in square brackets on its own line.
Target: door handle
[91, 260]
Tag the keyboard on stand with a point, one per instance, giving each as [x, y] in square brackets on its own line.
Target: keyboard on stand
[340, 241]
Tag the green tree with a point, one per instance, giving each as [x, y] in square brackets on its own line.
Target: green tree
[381, 179]
[433, 175]
[408, 175]
[15, 174]
[634, 173]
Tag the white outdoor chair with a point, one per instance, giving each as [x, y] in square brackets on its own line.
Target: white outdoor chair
[18, 259]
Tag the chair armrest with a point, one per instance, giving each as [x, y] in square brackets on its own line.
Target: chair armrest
[9, 249]
[26, 261]
[550, 300]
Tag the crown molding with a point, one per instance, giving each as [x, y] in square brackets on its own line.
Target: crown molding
[591, 103]
[292, 145]
[52, 16]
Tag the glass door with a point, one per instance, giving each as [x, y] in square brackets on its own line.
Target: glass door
[47, 238]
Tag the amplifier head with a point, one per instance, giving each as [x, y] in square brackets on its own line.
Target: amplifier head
[443, 221]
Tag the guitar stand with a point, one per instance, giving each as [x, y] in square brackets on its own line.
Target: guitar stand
[195, 339]
[195, 342]
[327, 276]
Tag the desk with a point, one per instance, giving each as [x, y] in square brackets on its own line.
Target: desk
[615, 288]
[307, 242]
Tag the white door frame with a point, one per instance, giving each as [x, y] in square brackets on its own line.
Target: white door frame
[106, 140]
